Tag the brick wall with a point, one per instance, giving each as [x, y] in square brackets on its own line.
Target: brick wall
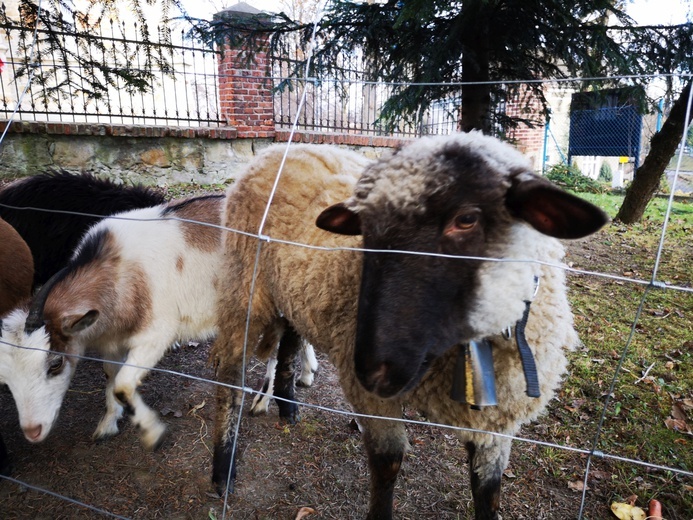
[529, 140]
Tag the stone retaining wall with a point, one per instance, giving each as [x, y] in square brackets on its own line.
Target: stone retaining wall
[146, 154]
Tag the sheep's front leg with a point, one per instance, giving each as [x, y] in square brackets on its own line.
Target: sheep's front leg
[108, 426]
[486, 465]
[385, 442]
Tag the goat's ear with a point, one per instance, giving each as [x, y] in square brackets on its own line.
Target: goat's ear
[74, 323]
[551, 210]
[339, 219]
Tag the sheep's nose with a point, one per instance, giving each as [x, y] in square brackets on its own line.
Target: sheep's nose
[32, 433]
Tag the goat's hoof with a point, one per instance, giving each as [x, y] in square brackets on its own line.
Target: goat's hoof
[259, 408]
[154, 437]
[104, 433]
[305, 382]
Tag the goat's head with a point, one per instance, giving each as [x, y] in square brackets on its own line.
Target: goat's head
[37, 361]
[466, 195]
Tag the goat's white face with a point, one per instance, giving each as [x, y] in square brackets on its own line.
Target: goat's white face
[37, 378]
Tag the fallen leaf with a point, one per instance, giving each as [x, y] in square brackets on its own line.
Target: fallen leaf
[627, 511]
[578, 485]
[304, 512]
[677, 412]
[631, 500]
[600, 475]
[175, 413]
[676, 424]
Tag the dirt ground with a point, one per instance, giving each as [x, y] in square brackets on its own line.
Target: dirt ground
[318, 463]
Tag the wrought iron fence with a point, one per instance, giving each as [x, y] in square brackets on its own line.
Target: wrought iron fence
[181, 87]
[351, 102]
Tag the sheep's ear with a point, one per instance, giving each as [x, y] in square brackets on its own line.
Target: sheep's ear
[74, 323]
[551, 210]
[339, 219]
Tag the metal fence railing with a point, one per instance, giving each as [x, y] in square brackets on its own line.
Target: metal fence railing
[351, 102]
[180, 86]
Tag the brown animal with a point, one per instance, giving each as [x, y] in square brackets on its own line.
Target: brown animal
[16, 268]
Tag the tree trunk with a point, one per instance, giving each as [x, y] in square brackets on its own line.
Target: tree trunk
[662, 148]
[476, 98]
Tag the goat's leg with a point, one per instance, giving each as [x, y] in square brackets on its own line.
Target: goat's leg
[309, 365]
[486, 464]
[270, 338]
[108, 426]
[262, 399]
[284, 386]
[139, 359]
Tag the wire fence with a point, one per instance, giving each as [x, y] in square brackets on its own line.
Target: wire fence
[652, 282]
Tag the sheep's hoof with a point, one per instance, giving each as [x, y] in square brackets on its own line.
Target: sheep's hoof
[220, 489]
[289, 412]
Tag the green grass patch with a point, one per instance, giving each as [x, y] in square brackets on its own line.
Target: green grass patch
[650, 413]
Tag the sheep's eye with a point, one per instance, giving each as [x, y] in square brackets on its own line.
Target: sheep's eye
[466, 221]
[56, 365]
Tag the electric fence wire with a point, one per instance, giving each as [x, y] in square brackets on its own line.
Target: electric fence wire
[318, 15]
[653, 283]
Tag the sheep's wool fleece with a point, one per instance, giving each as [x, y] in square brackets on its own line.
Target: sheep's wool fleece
[317, 291]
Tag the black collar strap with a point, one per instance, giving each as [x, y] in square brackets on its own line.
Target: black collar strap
[474, 380]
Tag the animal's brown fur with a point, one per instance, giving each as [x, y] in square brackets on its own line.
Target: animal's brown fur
[205, 238]
[98, 291]
[16, 268]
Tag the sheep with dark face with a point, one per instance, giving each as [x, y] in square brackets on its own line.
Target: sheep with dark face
[391, 322]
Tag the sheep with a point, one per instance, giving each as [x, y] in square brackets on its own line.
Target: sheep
[392, 323]
[16, 275]
[51, 235]
[134, 286]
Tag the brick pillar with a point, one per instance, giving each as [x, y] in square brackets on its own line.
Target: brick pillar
[245, 87]
[529, 141]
